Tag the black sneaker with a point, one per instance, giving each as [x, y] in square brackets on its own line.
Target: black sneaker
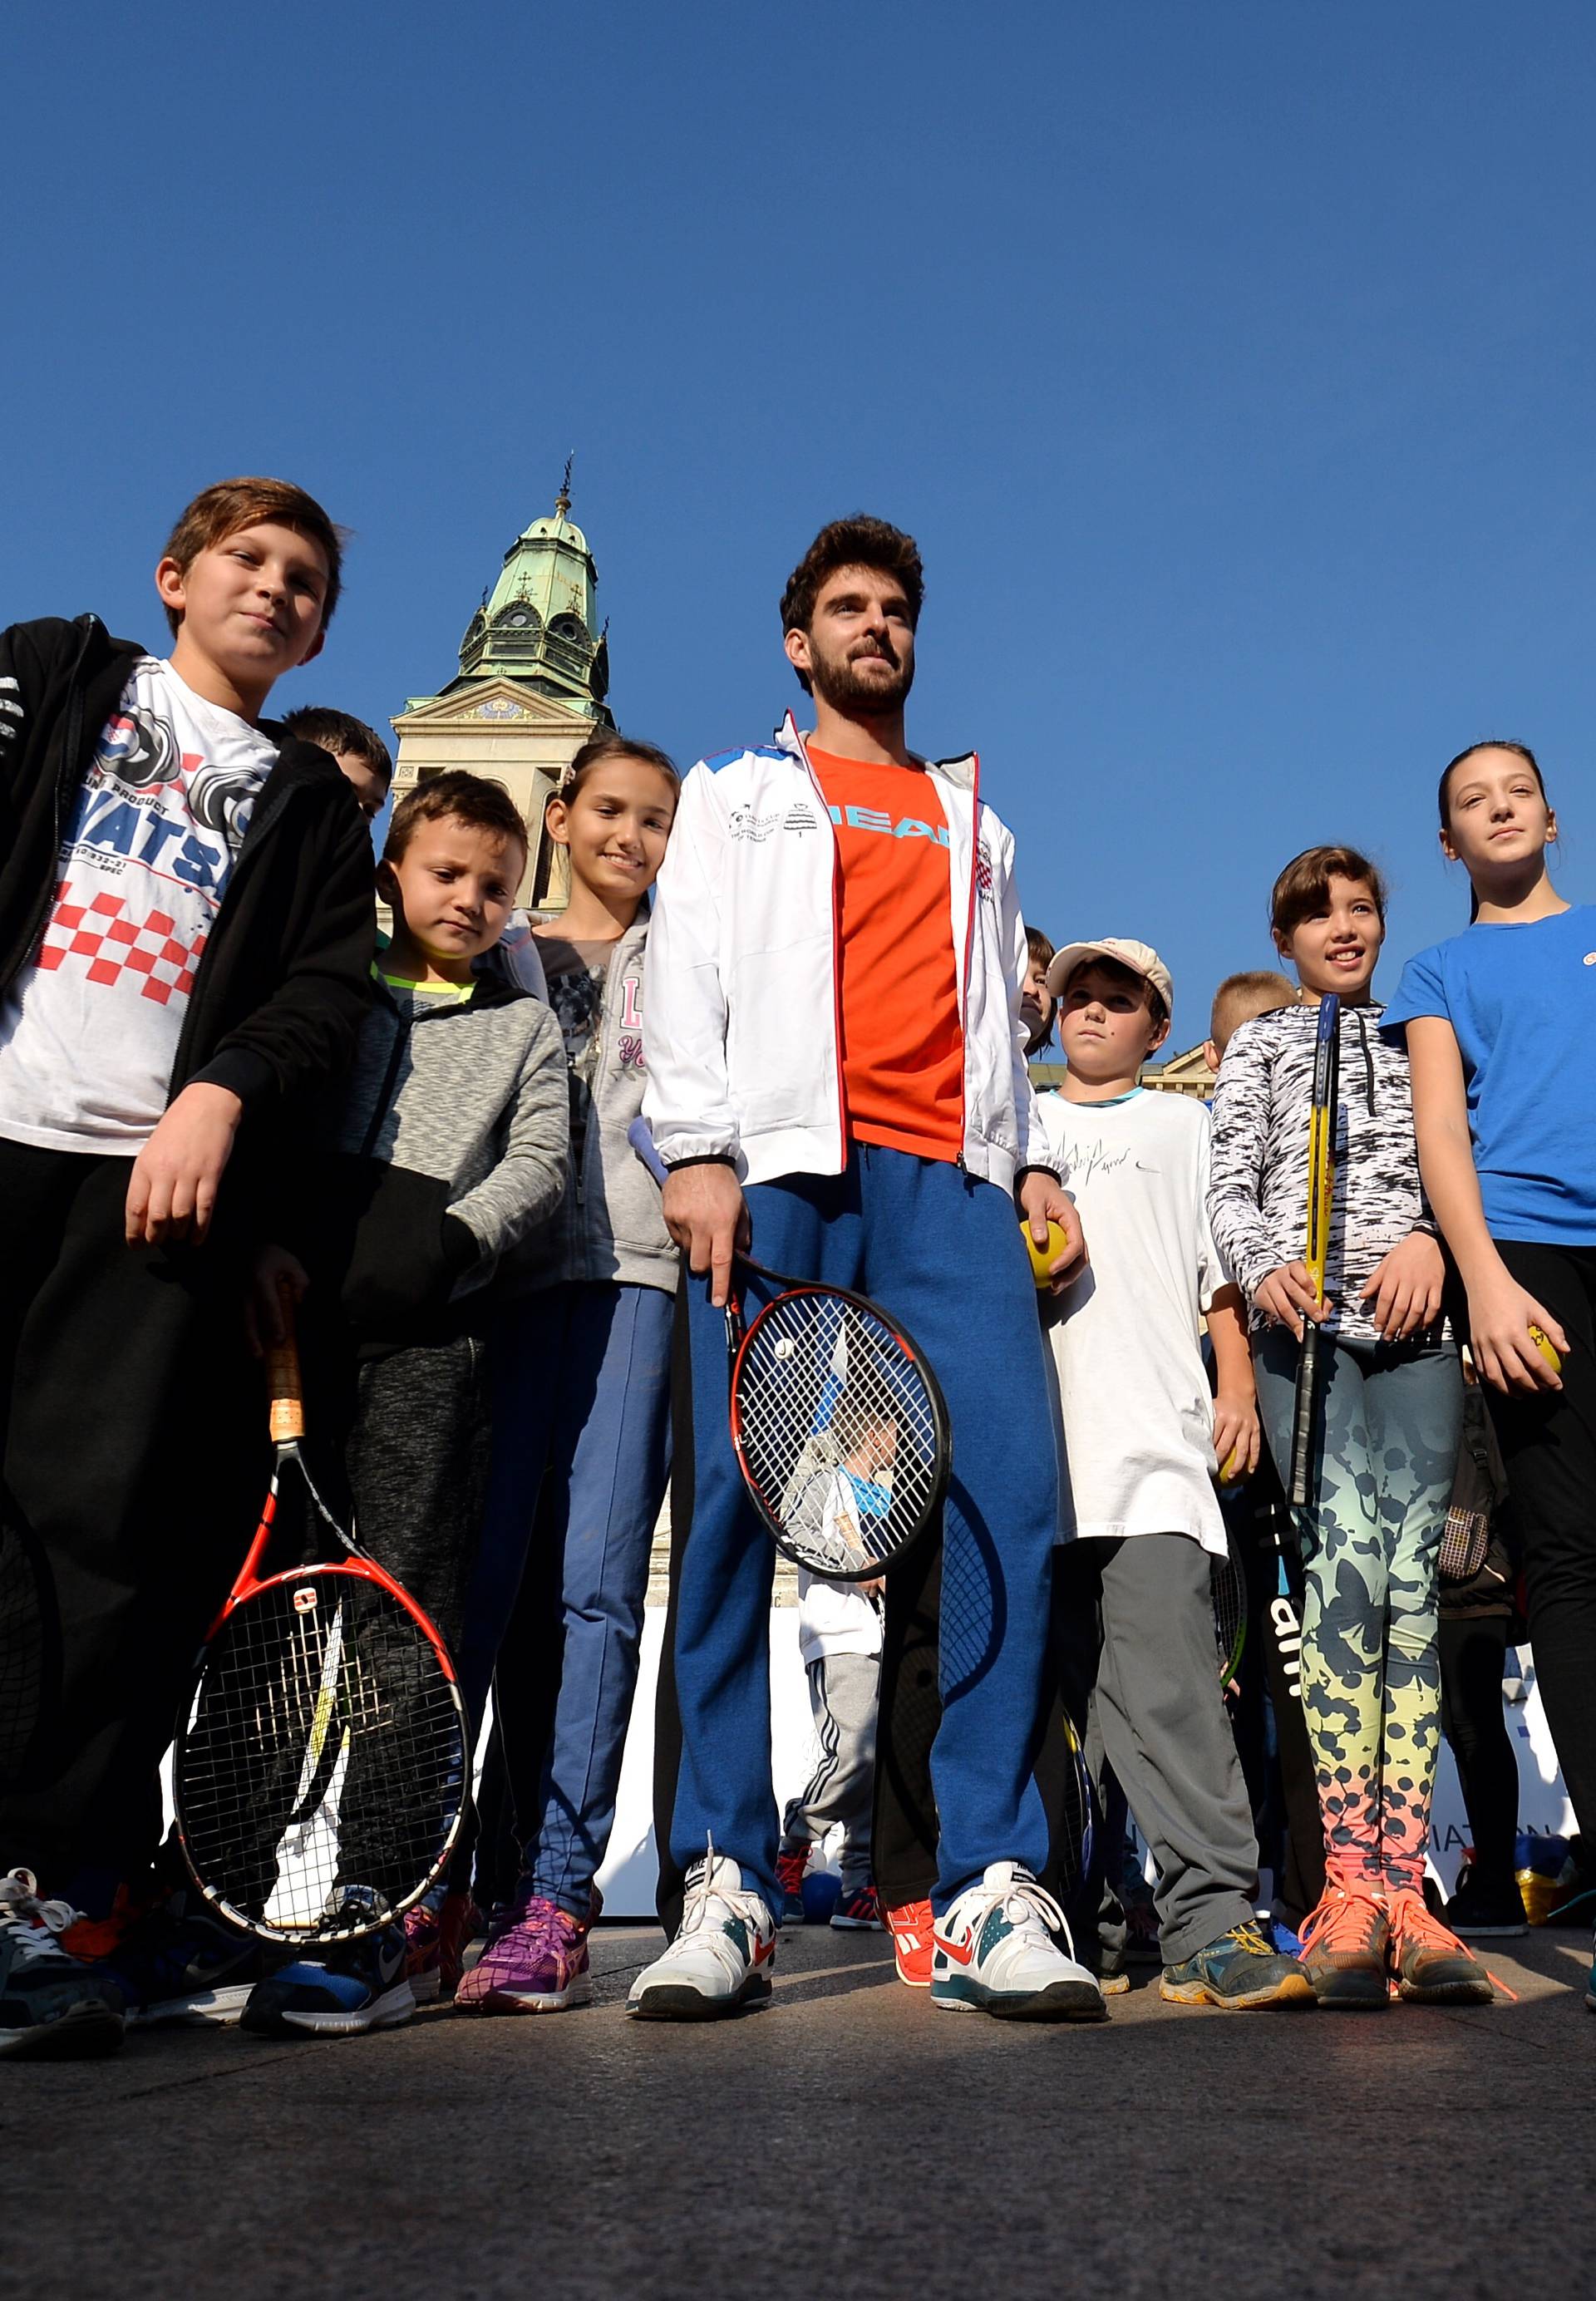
[180, 1964]
[353, 1987]
[1239, 1971]
[50, 2004]
[1481, 1911]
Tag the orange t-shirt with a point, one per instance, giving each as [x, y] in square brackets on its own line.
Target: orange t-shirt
[903, 1051]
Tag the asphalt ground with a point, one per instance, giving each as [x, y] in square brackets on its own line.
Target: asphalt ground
[846, 2141]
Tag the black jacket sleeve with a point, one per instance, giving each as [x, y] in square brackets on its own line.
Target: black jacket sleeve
[302, 1035]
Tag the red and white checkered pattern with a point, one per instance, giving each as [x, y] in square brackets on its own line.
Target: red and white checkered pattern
[114, 945]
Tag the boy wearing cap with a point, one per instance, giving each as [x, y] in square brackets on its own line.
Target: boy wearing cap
[1143, 1441]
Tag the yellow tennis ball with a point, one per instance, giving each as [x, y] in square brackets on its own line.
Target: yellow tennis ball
[1230, 1469]
[1041, 1256]
[1547, 1347]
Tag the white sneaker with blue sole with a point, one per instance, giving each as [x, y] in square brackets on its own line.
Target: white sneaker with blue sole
[997, 1950]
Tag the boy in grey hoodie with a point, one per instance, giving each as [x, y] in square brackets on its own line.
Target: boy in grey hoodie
[449, 1149]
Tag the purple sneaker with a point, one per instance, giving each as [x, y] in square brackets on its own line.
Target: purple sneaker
[536, 1962]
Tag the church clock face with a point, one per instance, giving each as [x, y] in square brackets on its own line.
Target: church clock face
[519, 620]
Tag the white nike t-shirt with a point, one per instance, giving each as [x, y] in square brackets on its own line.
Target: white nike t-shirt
[88, 1032]
[1127, 1337]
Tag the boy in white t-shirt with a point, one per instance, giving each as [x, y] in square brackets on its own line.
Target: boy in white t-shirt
[839, 1638]
[185, 932]
[1143, 1440]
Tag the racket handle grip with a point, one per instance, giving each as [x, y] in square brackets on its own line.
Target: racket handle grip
[1302, 1418]
[285, 1380]
[642, 1142]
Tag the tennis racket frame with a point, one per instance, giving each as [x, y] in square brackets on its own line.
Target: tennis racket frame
[288, 1427]
[1321, 1198]
[741, 1336]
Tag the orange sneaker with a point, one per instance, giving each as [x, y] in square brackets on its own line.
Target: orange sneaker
[1344, 1946]
[911, 1929]
[1429, 1964]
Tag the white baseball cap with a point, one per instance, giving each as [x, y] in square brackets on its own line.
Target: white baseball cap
[1141, 957]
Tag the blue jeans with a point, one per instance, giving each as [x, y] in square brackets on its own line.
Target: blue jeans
[942, 1252]
[582, 1392]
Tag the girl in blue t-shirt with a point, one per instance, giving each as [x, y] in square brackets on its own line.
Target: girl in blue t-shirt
[1499, 1023]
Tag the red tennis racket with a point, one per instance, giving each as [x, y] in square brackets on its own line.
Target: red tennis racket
[321, 1772]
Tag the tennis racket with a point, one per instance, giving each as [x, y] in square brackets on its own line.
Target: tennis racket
[1321, 1193]
[320, 1774]
[1228, 1576]
[838, 1421]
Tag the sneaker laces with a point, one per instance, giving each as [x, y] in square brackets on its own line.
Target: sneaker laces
[1348, 1918]
[1412, 1919]
[1023, 1902]
[551, 1928]
[1249, 1936]
[913, 1918]
[33, 1924]
[707, 1907]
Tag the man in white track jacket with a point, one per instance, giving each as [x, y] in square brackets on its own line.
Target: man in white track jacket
[836, 1069]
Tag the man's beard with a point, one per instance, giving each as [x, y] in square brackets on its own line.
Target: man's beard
[841, 685]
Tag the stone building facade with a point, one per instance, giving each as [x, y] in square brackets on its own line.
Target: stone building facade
[530, 688]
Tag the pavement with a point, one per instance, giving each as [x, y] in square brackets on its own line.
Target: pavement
[847, 2140]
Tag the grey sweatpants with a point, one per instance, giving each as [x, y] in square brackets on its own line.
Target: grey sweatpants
[417, 1462]
[843, 1697]
[1157, 1717]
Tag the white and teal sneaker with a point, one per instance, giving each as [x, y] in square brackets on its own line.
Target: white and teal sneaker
[997, 1951]
[720, 1958]
[352, 1988]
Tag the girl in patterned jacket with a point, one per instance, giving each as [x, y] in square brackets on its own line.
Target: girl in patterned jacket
[1388, 1422]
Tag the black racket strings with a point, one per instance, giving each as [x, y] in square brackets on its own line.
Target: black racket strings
[837, 1430]
[325, 1747]
[324, 1750]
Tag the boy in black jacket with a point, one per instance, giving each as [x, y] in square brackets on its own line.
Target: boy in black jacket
[186, 933]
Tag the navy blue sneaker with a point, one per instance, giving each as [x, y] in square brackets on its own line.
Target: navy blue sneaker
[790, 1864]
[51, 2004]
[1239, 1971]
[354, 1986]
[178, 1963]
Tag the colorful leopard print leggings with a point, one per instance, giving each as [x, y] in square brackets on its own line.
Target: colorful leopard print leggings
[1391, 1417]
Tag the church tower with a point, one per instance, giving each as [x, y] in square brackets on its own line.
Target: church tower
[534, 671]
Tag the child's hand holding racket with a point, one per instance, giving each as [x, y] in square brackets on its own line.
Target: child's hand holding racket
[1042, 1200]
[1286, 1297]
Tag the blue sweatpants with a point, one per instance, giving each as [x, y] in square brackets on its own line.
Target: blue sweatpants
[942, 1252]
[581, 1395]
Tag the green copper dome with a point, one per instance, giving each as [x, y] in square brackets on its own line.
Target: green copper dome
[539, 624]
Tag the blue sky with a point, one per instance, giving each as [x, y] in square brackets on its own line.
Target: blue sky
[1233, 365]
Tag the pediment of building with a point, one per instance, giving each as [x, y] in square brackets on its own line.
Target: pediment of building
[496, 703]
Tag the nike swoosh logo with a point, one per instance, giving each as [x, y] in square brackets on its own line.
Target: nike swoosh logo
[951, 1949]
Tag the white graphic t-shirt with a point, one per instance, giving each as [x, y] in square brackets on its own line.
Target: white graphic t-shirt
[89, 1032]
[1125, 1338]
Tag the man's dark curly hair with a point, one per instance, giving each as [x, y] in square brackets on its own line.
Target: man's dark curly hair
[857, 543]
